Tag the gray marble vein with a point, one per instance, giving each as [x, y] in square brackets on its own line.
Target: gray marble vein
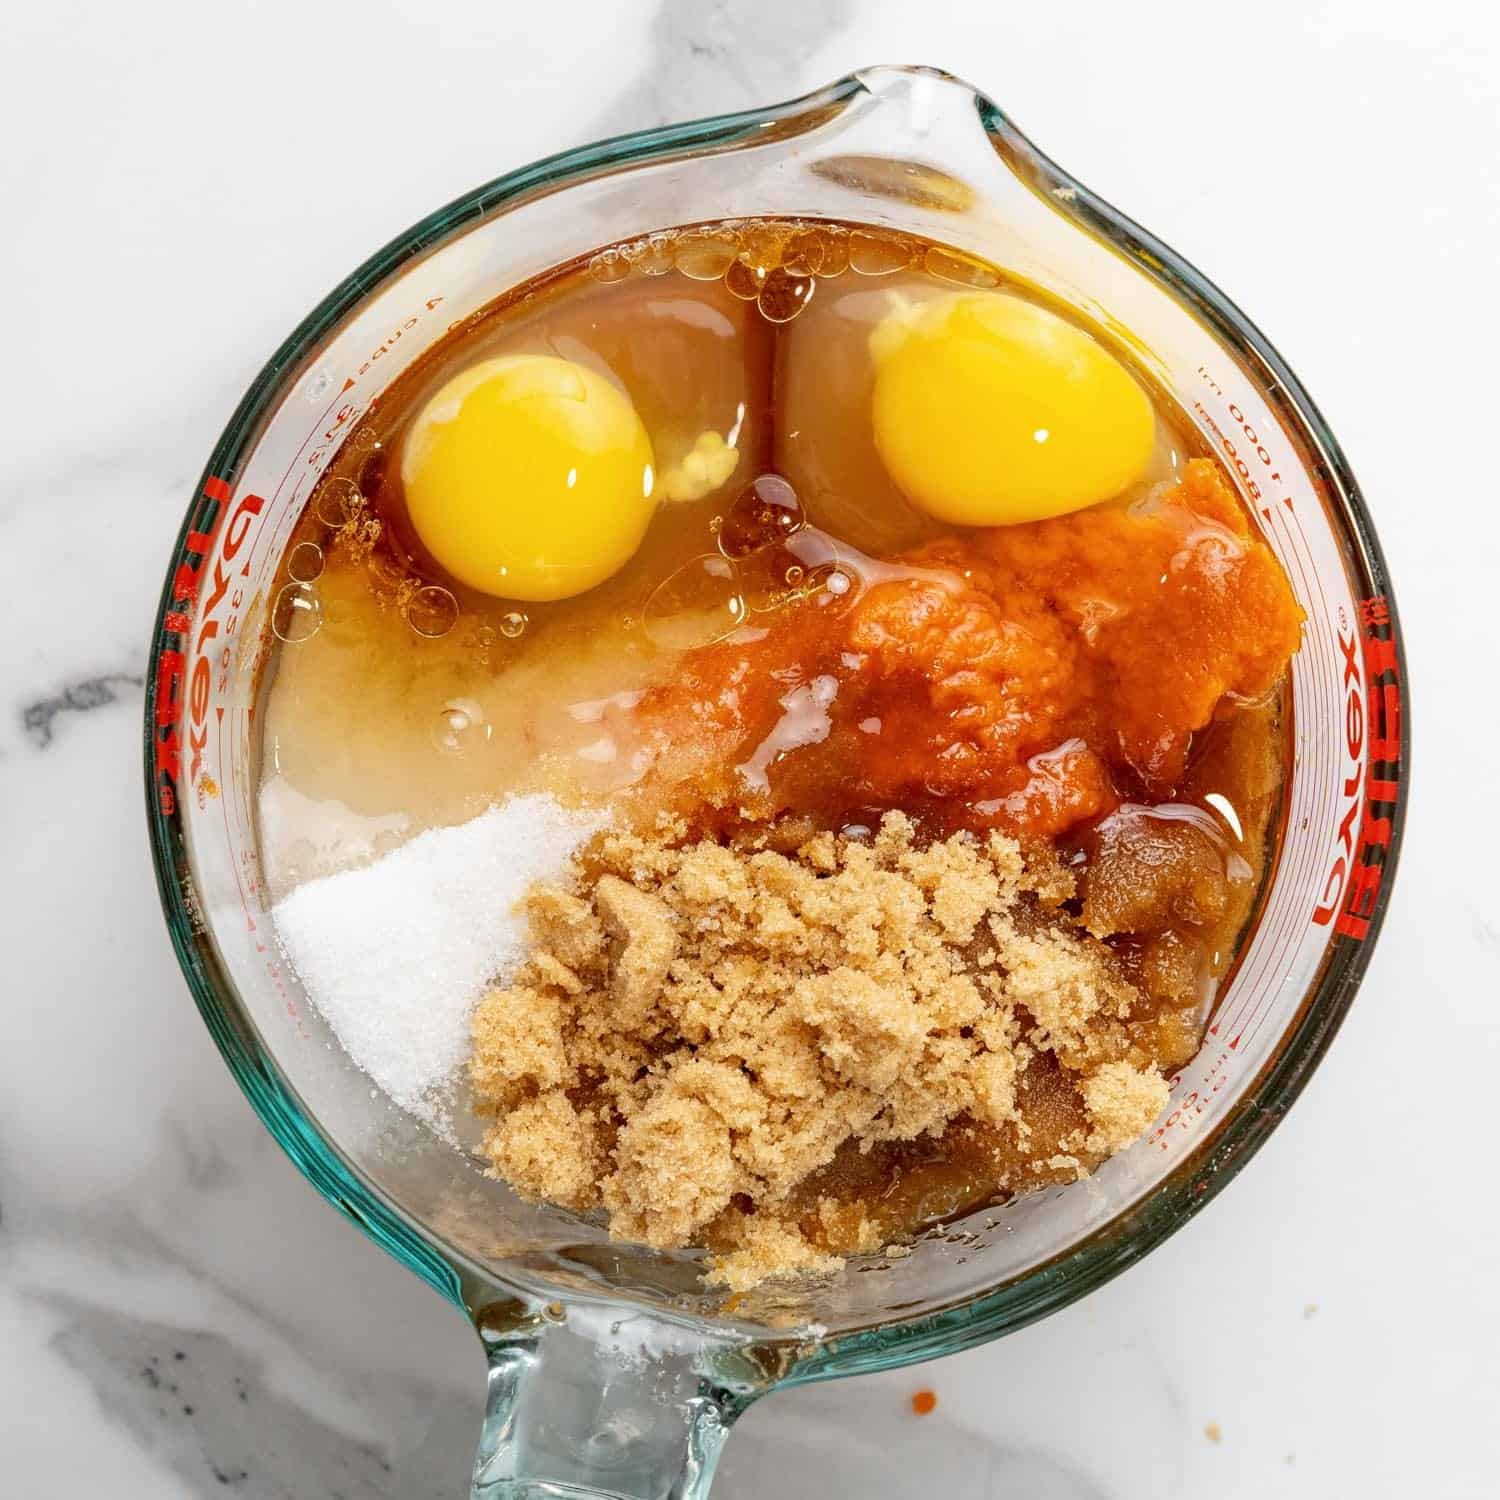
[711, 57]
[39, 718]
[200, 1405]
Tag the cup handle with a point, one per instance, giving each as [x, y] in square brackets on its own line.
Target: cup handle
[595, 1399]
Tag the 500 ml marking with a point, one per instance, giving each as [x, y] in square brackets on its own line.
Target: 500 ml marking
[181, 696]
[1187, 1111]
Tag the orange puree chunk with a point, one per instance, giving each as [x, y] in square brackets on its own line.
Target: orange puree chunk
[1021, 677]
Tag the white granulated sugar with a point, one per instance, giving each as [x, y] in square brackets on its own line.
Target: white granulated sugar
[395, 955]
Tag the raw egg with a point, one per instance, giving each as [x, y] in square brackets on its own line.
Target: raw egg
[989, 410]
[529, 477]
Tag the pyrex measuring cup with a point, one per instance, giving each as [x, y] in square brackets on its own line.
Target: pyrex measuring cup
[613, 1371]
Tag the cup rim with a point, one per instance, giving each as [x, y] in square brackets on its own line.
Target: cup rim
[1087, 1263]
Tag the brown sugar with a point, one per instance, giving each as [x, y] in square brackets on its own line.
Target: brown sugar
[704, 1034]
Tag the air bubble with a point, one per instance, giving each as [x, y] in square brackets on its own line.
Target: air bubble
[817, 252]
[804, 253]
[513, 624]
[339, 502]
[319, 385]
[305, 562]
[767, 511]
[697, 605]
[804, 565]
[655, 258]
[461, 726]
[832, 579]
[760, 245]
[962, 270]
[705, 257]
[835, 252]
[432, 611]
[744, 281]
[877, 255]
[609, 266]
[297, 614]
[784, 296]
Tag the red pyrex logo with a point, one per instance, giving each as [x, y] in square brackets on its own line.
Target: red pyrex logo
[175, 689]
[1372, 740]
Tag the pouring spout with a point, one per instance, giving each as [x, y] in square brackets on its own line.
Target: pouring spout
[592, 1400]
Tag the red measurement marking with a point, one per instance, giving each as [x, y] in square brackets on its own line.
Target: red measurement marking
[171, 686]
[1372, 736]
[1315, 684]
[924, 1403]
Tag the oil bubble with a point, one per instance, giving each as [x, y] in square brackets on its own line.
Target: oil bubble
[513, 624]
[766, 511]
[338, 501]
[305, 562]
[609, 266]
[744, 280]
[761, 244]
[697, 605]
[835, 251]
[784, 296]
[297, 614]
[802, 566]
[705, 257]
[803, 255]
[655, 258]
[461, 726]
[817, 252]
[962, 270]
[877, 254]
[432, 611]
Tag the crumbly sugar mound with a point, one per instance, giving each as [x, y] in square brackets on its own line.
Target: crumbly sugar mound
[701, 1028]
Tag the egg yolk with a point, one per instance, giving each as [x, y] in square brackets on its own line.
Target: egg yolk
[989, 411]
[529, 477]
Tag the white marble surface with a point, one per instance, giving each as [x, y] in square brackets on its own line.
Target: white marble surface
[179, 1314]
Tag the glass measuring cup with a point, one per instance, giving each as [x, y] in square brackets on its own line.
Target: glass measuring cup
[612, 1370]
